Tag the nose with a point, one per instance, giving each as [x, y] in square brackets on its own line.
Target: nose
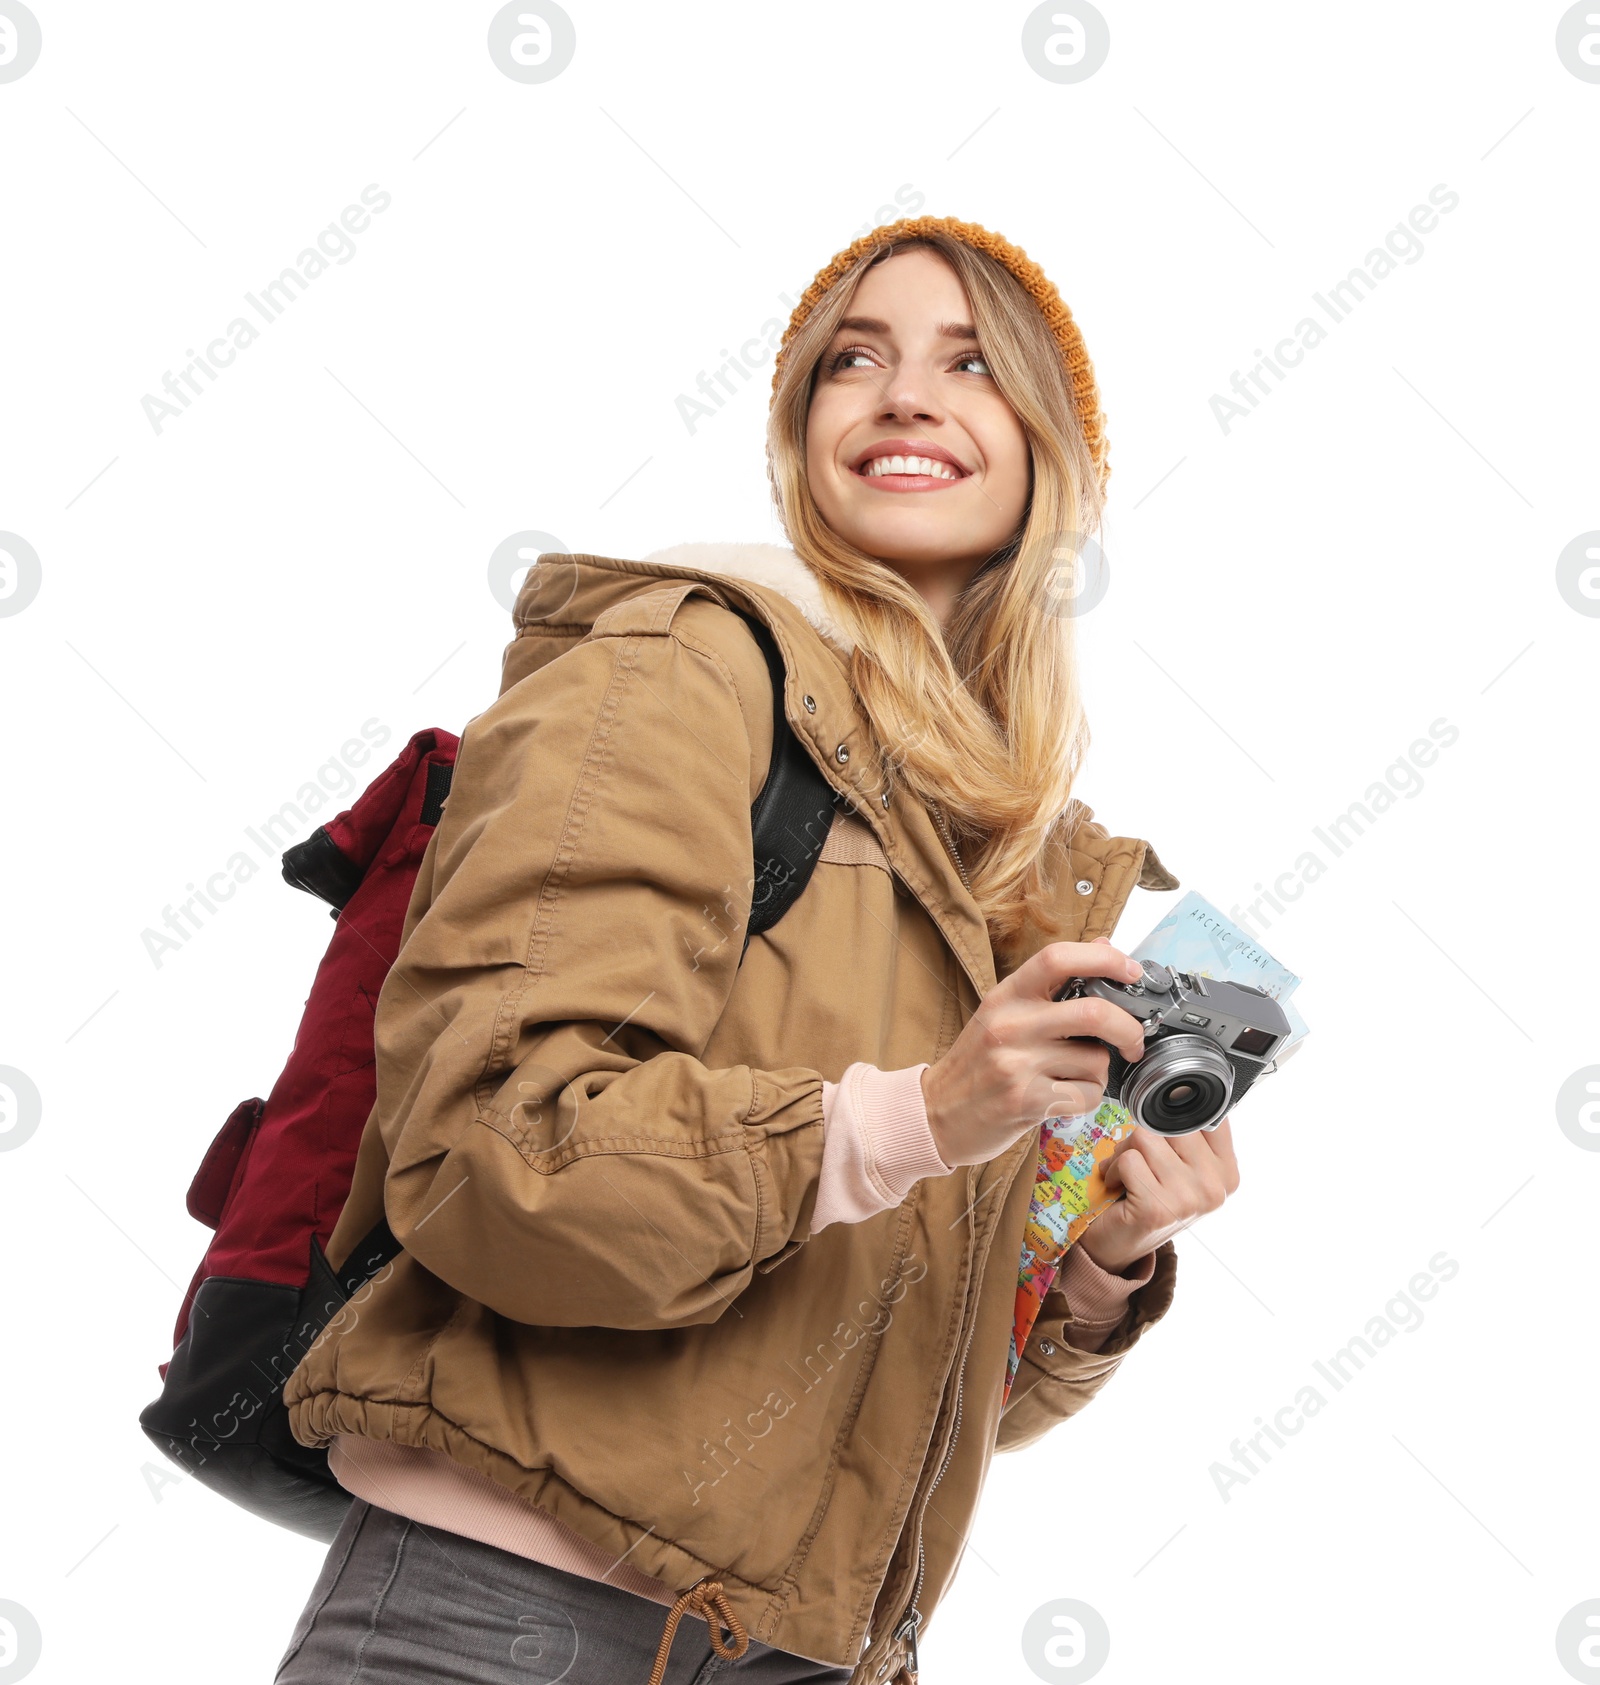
[906, 397]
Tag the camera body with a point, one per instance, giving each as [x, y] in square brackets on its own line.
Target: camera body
[1206, 1042]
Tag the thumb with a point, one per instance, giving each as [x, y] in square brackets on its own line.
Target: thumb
[1111, 1170]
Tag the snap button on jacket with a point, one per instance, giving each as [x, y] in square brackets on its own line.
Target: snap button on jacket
[597, 1134]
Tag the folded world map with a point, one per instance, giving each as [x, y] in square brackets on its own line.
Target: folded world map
[1069, 1189]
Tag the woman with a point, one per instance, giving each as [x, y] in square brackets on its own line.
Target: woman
[710, 1248]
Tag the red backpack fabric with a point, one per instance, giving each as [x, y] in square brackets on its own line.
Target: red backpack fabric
[273, 1182]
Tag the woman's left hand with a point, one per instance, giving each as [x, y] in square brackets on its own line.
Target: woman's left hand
[1166, 1181]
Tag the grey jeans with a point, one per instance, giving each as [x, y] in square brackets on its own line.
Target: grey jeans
[400, 1602]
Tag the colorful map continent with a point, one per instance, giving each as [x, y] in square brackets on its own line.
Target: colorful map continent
[1069, 1192]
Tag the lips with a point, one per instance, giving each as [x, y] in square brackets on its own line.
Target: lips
[919, 460]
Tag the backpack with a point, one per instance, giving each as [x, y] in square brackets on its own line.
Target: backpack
[273, 1182]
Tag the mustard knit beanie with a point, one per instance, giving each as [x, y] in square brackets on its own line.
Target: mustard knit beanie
[1038, 286]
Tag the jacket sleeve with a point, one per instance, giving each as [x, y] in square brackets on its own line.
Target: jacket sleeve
[1055, 1380]
[558, 1150]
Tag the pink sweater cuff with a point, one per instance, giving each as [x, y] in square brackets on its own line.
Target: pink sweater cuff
[1096, 1299]
[876, 1143]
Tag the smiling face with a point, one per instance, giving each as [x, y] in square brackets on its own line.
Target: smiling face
[912, 453]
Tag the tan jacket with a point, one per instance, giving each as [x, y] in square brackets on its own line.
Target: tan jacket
[598, 1135]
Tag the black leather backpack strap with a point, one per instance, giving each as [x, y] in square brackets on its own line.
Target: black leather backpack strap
[791, 816]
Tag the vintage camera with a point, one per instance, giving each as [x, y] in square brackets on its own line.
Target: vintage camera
[1206, 1042]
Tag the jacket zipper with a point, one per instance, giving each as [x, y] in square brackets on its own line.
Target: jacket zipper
[906, 1631]
[950, 843]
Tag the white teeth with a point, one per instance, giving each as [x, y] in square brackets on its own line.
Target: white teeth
[910, 465]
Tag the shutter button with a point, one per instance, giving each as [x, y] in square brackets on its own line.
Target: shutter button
[1085, 887]
[811, 704]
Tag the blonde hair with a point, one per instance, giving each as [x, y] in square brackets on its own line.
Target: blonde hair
[981, 718]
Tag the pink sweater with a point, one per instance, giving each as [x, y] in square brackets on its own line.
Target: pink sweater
[876, 1146]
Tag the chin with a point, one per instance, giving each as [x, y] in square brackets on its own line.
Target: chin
[911, 544]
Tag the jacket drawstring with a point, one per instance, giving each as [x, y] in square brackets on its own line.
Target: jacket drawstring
[705, 1597]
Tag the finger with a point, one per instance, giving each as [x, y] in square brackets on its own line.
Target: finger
[1194, 1149]
[1111, 1169]
[1104, 1020]
[1042, 975]
[1200, 1187]
[1068, 1097]
[1078, 1059]
[1154, 1148]
[1221, 1139]
[1204, 1153]
[1135, 1177]
[1206, 1145]
[1187, 1172]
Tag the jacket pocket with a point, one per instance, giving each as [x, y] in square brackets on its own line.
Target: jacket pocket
[223, 1163]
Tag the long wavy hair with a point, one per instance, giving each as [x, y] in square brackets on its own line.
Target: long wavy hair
[981, 717]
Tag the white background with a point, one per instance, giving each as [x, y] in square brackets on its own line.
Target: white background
[1292, 603]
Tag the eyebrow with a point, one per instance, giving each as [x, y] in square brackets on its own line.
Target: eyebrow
[871, 324]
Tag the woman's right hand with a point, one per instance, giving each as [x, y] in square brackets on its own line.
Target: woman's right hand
[1024, 1056]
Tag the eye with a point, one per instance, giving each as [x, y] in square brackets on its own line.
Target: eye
[976, 357]
[840, 359]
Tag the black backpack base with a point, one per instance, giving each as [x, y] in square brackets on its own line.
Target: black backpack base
[221, 1416]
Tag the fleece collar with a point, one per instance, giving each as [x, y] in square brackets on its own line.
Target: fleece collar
[775, 566]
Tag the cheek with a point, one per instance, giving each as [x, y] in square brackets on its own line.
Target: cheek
[1006, 451]
[816, 449]
[823, 435]
[1008, 467]
[996, 429]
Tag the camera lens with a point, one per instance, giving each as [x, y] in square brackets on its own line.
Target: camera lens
[1189, 1103]
[1182, 1084]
